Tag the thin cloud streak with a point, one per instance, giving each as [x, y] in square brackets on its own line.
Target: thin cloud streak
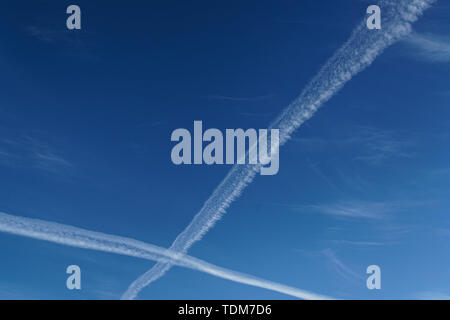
[358, 53]
[240, 99]
[27, 151]
[432, 295]
[429, 47]
[354, 209]
[358, 243]
[375, 145]
[365, 209]
[81, 238]
[340, 267]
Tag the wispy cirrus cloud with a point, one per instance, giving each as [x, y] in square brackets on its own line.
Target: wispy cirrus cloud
[28, 151]
[382, 145]
[429, 47]
[432, 295]
[358, 243]
[57, 36]
[42, 34]
[370, 145]
[75, 44]
[357, 209]
[354, 209]
[240, 99]
[339, 266]
[392, 212]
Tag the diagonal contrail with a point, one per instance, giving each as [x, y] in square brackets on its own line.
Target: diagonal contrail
[353, 57]
[81, 238]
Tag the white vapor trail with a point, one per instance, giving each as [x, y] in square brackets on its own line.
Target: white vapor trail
[81, 238]
[353, 57]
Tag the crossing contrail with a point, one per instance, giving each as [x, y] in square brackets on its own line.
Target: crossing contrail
[81, 238]
[353, 57]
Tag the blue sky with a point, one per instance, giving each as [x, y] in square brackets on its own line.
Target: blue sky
[85, 124]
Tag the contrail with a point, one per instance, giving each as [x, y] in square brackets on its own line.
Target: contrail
[353, 57]
[81, 238]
